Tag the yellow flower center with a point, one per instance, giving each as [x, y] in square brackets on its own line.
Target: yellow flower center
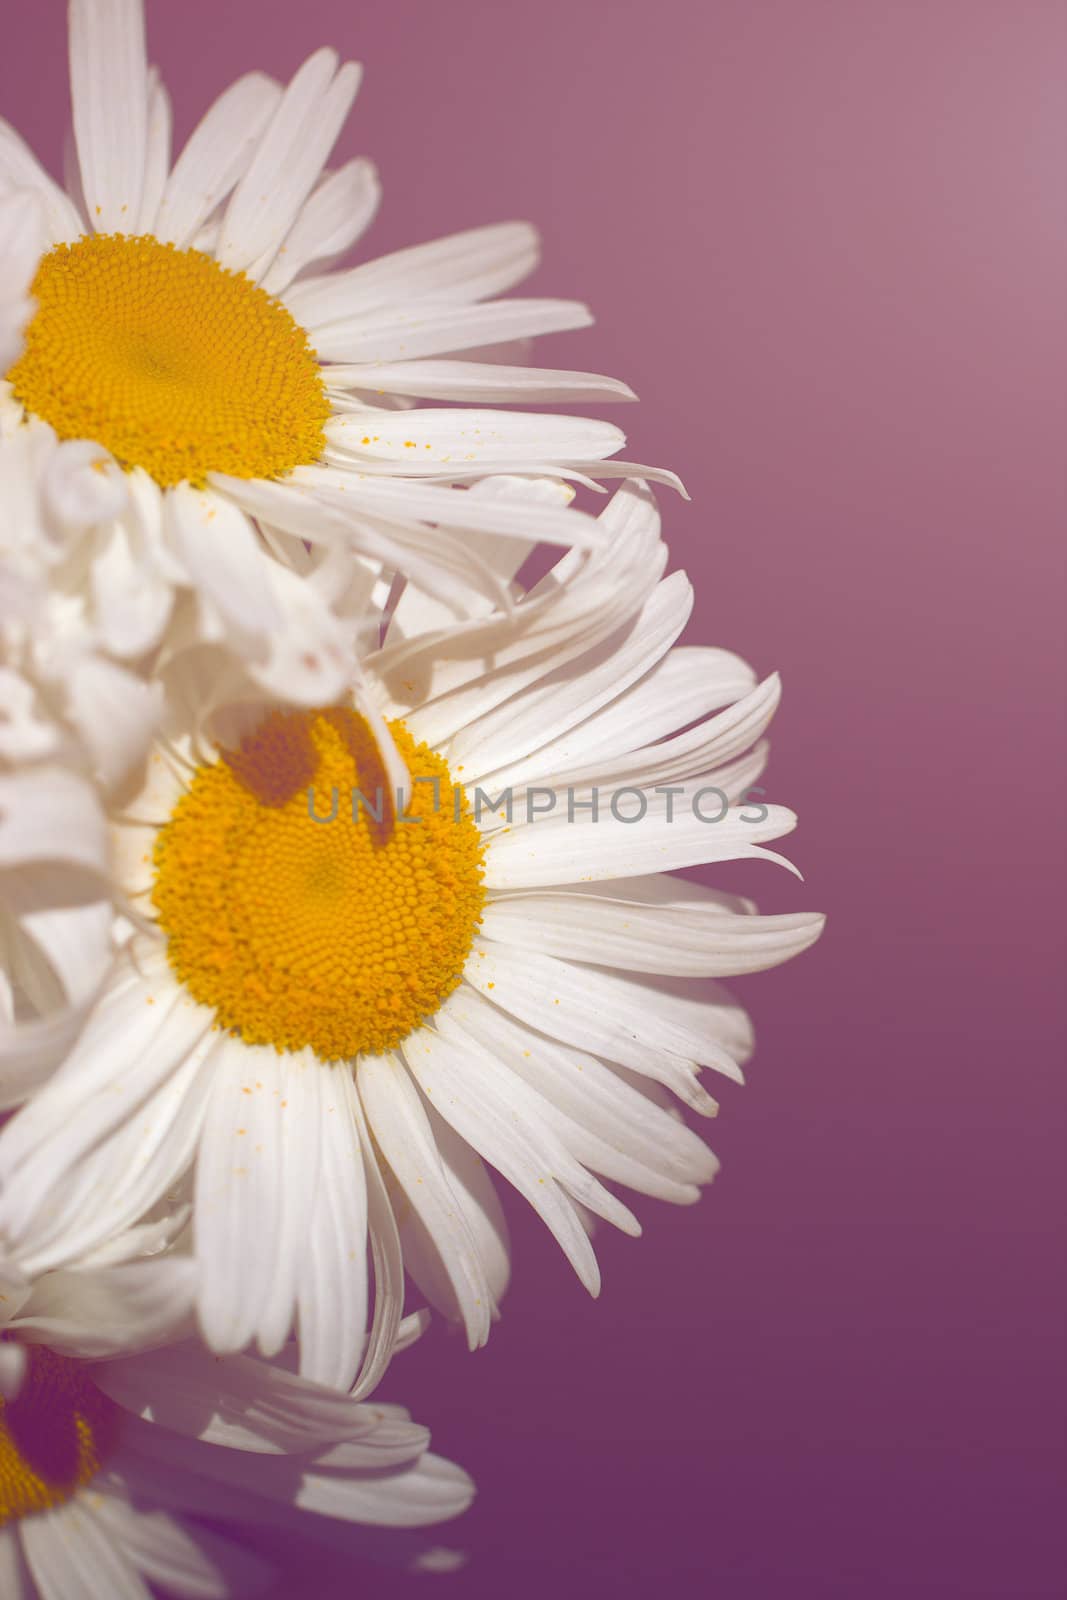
[170, 361]
[295, 910]
[54, 1436]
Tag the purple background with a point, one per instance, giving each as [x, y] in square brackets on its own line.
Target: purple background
[825, 242]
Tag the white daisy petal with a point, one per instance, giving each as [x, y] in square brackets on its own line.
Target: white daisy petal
[286, 165]
[246, 1238]
[403, 502]
[403, 1134]
[334, 216]
[688, 683]
[109, 92]
[686, 940]
[217, 543]
[472, 1186]
[578, 689]
[198, 1567]
[529, 1109]
[703, 749]
[464, 267]
[430, 1490]
[454, 1081]
[140, 1033]
[157, 152]
[660, 1035]
[20, 170]
[428, 439]
[306, 1089]
[478, 382]
[602, 1119]
[636, 839]
[116, 713]
[217, 155]
[408, 330]
[101, 1313]
[71, 1557]
[388, 1266]
[22, 237]
[332, 1297]
[107, 1190]
[49, 815]
[15, 1580]
[234, 1402]
[30, 1051]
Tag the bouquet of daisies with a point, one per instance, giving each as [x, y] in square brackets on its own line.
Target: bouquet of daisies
[338, 859]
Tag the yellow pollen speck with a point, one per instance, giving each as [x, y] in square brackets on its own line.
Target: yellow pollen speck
[342, 934]
[170, 361]
[54, 1435]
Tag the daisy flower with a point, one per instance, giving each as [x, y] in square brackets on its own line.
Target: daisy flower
[341, 1005]
[108, 1466]
[188, 324]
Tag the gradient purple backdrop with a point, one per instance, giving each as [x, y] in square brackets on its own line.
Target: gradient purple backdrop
[825, 241]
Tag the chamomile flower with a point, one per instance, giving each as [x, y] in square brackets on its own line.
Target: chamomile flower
[342, 1006]
[110, 1466]
[187, 325]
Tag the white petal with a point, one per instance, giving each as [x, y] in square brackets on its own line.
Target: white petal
[22, 238]
[72, 1556]
[157, 152]
[233, 1402]
[216, 156]
[109, 92]
[20, 169]
[462, 268]
[306, 1097]
[561, 848]
[396, 501]
[102, 1313]
[333, 217]
[15, 1580]
[225, 560]
[455, 1082]
[388, 1266]
[427, 439]
[688, 940]
[479, 382]
[688, 683]
[116, 713]
[577, 689]
[634, 1023]
[402, 332]
[708, 747]
[429, 1491]
[193, 1563]
[82, 485]
[606, 1122]
[50, 815]
[332, 1287]
[471, 1184]
[403, 1134]
[463, 673]
[290, 156]
[419, 611]
[241, 1200]
[141, 1031]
